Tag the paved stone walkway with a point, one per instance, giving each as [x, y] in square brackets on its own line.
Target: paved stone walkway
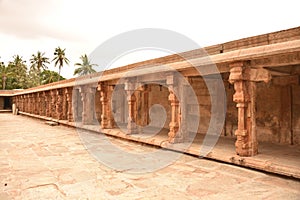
[38, 161]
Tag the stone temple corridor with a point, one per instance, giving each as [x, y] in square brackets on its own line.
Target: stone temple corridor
[237, 103]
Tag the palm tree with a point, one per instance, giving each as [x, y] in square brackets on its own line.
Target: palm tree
[85, 67]
[38, 62]
[60, 58]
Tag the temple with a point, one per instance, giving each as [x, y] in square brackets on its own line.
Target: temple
[261, 100]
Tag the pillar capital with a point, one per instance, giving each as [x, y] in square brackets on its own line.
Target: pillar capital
[243, 71]
[130, 84]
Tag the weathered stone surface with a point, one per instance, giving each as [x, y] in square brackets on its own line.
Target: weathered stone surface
[39, 161]
[273, 58]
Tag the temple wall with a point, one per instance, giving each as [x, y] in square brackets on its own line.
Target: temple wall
[277, 110]
[278, 113]
[296, 114]
[1, 103]
[159, 95]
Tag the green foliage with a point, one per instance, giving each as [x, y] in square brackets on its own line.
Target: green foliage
[85, 67]
[4, 74]
[38, 63]
[16, 76]
[48, 76]
[60, 58]
[18, 73]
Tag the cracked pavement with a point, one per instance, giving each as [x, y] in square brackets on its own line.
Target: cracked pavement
[38, 161]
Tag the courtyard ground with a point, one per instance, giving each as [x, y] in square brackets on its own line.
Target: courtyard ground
[38, 161]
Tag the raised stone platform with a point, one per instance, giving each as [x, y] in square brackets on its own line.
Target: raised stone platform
[5, 111]
[273, 158]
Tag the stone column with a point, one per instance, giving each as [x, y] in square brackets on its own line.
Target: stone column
[64, 104]
[21, 103]
[132, 108]
[52, 103]
[144, 105]
[75, 98]
[27, 103]
[68, 99]
[47, 103]
[244, 78]
[16, 101]
[106, 116]
[35, 103]
[43, 104]
[174, 133]
[30, 103]
[184, 89]
[58, 104]
[38, 99]
[87, 95]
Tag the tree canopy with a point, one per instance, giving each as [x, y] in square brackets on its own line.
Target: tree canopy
[17, 75]
[85, 67]
[60, 58]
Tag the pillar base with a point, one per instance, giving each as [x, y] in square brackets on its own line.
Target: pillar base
[132, 132]
[176, 140]
[246, 150]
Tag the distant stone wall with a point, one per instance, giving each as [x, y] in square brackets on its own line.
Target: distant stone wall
[1, 103]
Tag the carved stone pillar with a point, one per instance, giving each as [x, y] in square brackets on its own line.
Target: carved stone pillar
[106, 116]
[46, 105]
[64, 114]
[35, 103]
[87, 95]
[75, 104]
[58, 104]
[244, 78]
[52, 103]
[38, 102]
[42, 104]
[143, 109]
[174, 134]
[68, 94]
[31, 103]
[132, 108]
[28, 103]
[25, 106]
[21, 103]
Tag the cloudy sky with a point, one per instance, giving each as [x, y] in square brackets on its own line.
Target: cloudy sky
[28, 26]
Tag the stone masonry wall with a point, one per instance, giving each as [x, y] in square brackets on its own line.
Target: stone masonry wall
[1, 102]
[277, 107]
[159, 95]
